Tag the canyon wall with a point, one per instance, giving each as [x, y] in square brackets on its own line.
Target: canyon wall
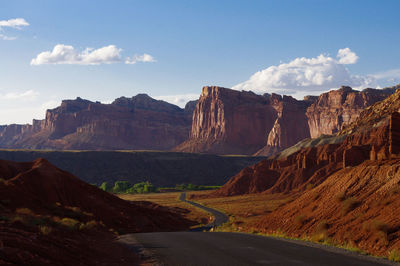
[139, 122]
[226, 121]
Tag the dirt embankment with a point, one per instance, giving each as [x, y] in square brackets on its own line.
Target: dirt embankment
[48, 216]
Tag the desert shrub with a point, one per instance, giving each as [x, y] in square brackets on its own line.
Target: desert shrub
[89, 225]
[310, 186]
[121, 186]
[105, 186]
[349, 204]
[24, 211]
[341, 196]
[69, 223]
[300, 220]
[394, 255]
[320, 232]
[322, 226]
[394, 190]
[379, 226]
[45, 230]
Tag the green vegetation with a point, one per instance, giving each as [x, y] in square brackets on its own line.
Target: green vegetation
[394, 255]
[147, 187]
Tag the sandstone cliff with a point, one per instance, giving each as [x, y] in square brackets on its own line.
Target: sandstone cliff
[231, 122]
[335, 109]
[139, 122]
[226, 121]
[375, 135]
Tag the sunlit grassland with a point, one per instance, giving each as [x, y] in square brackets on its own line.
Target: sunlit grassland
[171, 199]
[244, 209]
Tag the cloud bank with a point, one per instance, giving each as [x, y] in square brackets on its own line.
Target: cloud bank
[146, 58]
[15, 23]
[25, 96]
[68, 55]
[304, 76]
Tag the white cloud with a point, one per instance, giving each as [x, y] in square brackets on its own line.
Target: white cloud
[7, 38]
[346, 56]
[66, 54]
[304, 76]
[388, 74]
[16, 23]
[179, 99]
[146, 58]
[25, 96]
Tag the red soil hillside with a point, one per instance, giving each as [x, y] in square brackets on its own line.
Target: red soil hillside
[313, 165]
[345, 188]
[356, 207]
[61, 214]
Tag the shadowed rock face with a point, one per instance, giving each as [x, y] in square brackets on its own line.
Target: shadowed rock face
[335, 109]
[226, 121]
[139, 122]
[373, 136]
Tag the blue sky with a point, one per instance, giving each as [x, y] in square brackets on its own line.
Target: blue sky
[293, 43]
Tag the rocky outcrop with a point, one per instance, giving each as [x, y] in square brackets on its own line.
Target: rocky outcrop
[290, 126]
[316, 160]
[139, 122]
[231, 122]
[226, 121]
[336, 109]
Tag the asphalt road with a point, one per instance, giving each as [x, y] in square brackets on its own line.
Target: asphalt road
[218, 248]
[219, 217]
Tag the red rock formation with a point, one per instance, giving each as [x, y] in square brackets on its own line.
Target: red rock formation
[289, 128]
[312, 165]
[344, 191]
[139, 122]
[336, 109]
[226, 121]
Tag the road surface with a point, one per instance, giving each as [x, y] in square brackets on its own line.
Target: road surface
[219, 217]
[219, 248]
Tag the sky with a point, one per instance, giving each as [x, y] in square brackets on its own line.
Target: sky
[52, 50]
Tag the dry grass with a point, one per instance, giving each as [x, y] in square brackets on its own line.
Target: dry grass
[300, 220]
[243, 209]
[349, 204]
[170, 199]
[69, 223]
[25, 211]
[45, 230]
[394, 255]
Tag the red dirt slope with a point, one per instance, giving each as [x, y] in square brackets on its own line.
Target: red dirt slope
[356, 206]
[346, 188]
[48, 216]
[311, 166]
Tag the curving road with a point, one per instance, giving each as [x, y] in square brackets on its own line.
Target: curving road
[219, 217]
[218, 248]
